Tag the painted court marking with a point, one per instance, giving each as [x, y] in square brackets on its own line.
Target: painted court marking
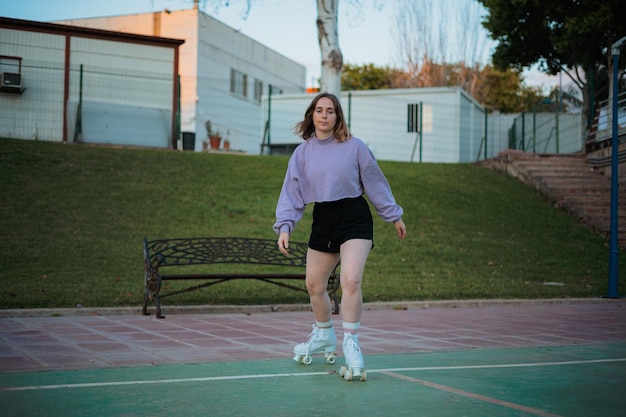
[389, 372]
[472, 395]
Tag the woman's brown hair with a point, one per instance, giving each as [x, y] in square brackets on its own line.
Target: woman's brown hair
[306, 129]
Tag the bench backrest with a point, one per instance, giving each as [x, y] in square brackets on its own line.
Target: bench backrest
[213, 250]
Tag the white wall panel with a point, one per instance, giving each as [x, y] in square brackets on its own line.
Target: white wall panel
[122, 72]
[118, 124]
[127, 91]
[177, 25]
[127, 87]
[38, 112]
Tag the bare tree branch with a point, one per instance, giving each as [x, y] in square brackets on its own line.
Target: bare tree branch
[443, 31]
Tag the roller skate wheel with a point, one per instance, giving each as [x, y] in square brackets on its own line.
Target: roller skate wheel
[363, 375]
[307, 360]
[330, 359]
[342, 371]
[348, 375]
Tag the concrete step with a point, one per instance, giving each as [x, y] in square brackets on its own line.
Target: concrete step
[573, 174]
[571, 183]
[559, 169]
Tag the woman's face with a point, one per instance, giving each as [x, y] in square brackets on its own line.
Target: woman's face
[324, 118]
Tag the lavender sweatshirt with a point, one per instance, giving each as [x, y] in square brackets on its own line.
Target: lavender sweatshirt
[327, 170]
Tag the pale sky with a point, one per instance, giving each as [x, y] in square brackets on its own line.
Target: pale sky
[286, 26]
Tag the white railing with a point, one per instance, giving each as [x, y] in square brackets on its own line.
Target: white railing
[602, 125]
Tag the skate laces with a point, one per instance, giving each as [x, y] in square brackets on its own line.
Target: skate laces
[351, 342]
[314, 335]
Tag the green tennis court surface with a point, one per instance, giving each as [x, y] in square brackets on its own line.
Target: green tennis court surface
[577, 380]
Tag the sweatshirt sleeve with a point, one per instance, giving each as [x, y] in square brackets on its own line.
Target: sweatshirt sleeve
[377, 187]
[290, 206]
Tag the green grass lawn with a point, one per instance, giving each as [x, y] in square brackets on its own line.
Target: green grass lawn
[72, 220]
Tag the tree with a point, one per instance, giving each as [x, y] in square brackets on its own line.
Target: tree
[494, 89]
[327, 35]
[505, 91]
[328, 38]
[365, 77]
[561, 35]
[430, 32]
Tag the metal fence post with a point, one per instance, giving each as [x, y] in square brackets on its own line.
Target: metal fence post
[613, 244]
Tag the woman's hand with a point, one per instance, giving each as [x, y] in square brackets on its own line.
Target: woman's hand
[283, 243]
[400, 228]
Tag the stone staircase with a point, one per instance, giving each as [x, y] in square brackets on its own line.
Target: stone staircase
[571, 183]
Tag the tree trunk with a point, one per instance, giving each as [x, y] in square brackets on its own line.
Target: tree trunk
[332, 59]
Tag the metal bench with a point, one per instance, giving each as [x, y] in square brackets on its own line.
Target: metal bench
[176, 254]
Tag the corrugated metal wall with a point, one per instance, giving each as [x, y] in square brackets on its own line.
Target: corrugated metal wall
[38, 112]
[127, 89]
[127, 92]
[174, 25]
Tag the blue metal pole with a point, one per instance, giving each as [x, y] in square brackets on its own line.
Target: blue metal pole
[613, 243]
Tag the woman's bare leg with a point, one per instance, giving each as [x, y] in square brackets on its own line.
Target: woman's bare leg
[354, 254]
[319, 266]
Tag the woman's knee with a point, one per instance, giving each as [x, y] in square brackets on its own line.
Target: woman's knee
[351, 283]
[316, 286]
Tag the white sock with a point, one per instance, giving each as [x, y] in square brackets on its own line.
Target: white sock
[351, 326]
[324, 324]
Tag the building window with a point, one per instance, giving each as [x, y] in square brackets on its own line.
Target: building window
[238, 83]
[258, 90]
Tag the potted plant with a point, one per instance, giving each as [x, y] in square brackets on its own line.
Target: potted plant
[227, 140]
[215, 137]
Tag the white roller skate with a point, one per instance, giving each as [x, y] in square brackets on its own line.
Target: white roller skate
[354, 359]
[320, 341]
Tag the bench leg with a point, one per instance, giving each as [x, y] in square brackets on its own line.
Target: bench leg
[144, 309]
[153, 286]
[333, 287]
[335, 302]
[157, 301]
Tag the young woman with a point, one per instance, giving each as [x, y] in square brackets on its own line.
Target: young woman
[333, 170]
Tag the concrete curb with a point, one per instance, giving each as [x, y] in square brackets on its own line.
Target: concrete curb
[249, 309]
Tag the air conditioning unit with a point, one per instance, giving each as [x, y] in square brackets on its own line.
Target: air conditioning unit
[10, 80]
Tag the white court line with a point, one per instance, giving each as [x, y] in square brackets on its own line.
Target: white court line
[253, 376]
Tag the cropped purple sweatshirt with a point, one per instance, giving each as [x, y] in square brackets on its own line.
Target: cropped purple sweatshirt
[328, 170]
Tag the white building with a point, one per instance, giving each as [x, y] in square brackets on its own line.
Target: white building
[130, 92]
[452, 123]
[223, 73]
[65, 84]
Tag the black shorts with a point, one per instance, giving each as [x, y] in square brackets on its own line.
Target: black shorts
[336, 222]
